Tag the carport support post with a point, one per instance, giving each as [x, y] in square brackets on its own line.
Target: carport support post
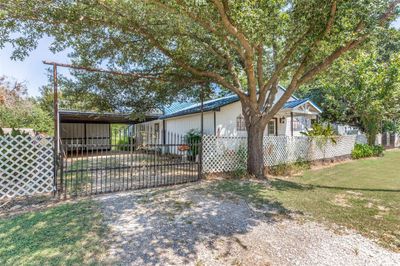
[56, 131]
[201, 132]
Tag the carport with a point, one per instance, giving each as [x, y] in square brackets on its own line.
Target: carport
[79, 129]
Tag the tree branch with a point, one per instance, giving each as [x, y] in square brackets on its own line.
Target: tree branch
[204, 24]
[260, 74]
[138, 29]
[300, 78]
[245, 43]
[281, 66]
[349, 45]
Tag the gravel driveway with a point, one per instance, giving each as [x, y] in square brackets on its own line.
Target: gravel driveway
[187, 225]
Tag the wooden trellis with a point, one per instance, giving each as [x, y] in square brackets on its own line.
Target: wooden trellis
[26, 166]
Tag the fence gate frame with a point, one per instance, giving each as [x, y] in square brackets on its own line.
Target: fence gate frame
[128, 163]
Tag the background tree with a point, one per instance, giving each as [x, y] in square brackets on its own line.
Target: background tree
[17, 110]
[331, 91]
[361, 90]
[247, 47]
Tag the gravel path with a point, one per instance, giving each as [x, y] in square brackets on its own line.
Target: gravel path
[187, 225]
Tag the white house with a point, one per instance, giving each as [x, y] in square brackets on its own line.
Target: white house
[223, 117]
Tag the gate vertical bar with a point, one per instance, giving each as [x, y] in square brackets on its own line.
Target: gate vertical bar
[201, 133]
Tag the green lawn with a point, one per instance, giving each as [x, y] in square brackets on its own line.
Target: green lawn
[69, 234]
[363, 195]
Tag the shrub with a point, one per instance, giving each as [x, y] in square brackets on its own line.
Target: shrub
[193, 139]
[378, 150]
[365, 150]
[284, 169]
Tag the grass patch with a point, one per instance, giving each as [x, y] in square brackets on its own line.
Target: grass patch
[69, 234]
[363, 195]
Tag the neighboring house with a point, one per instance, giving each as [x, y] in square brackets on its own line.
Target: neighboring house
[345, 129]
[223, 117]
[28, 131]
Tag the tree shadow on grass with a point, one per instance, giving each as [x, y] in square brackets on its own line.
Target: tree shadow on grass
[285, 185]
[169, 229]
[65, 235]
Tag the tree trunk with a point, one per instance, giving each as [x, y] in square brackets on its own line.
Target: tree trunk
[371, 137]
[371, 124]
[255, 158]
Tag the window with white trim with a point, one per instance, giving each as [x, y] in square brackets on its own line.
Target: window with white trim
[271, 128]
[240, 123]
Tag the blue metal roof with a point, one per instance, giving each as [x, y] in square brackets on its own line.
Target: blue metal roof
[207, 106]
[293, 104]
[175, 107]
[186, 108]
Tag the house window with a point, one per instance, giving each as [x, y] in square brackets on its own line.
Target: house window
[271, 128]
[156, 128]
[240, 123]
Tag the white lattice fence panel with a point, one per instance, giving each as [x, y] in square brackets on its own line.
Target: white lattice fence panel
[321, 149]
[361, 139]
[26, 166]
[221, 154]
[282, 149]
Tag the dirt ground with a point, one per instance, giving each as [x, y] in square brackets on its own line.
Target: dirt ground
[188, 225]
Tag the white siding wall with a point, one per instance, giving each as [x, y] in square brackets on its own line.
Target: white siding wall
[282, 127]
[182, 124]
[148, 129]
[226, 120]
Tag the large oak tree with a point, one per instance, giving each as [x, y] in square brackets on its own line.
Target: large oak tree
[247, 47]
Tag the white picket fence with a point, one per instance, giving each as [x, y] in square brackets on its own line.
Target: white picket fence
[26, 166]
[222, 154]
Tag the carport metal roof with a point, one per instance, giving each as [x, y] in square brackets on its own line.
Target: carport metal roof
[105, 117]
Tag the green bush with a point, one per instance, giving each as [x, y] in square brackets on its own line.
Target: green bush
[193, 139]
[289, 169]
[365, 150]
[378, 150]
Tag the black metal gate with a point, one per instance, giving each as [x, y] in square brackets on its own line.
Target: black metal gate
[124, 162]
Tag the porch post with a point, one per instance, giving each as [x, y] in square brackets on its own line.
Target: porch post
[163, 132]
[215, 123]
[291, 123]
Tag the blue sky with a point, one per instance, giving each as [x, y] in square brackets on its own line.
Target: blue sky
[33, 71]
